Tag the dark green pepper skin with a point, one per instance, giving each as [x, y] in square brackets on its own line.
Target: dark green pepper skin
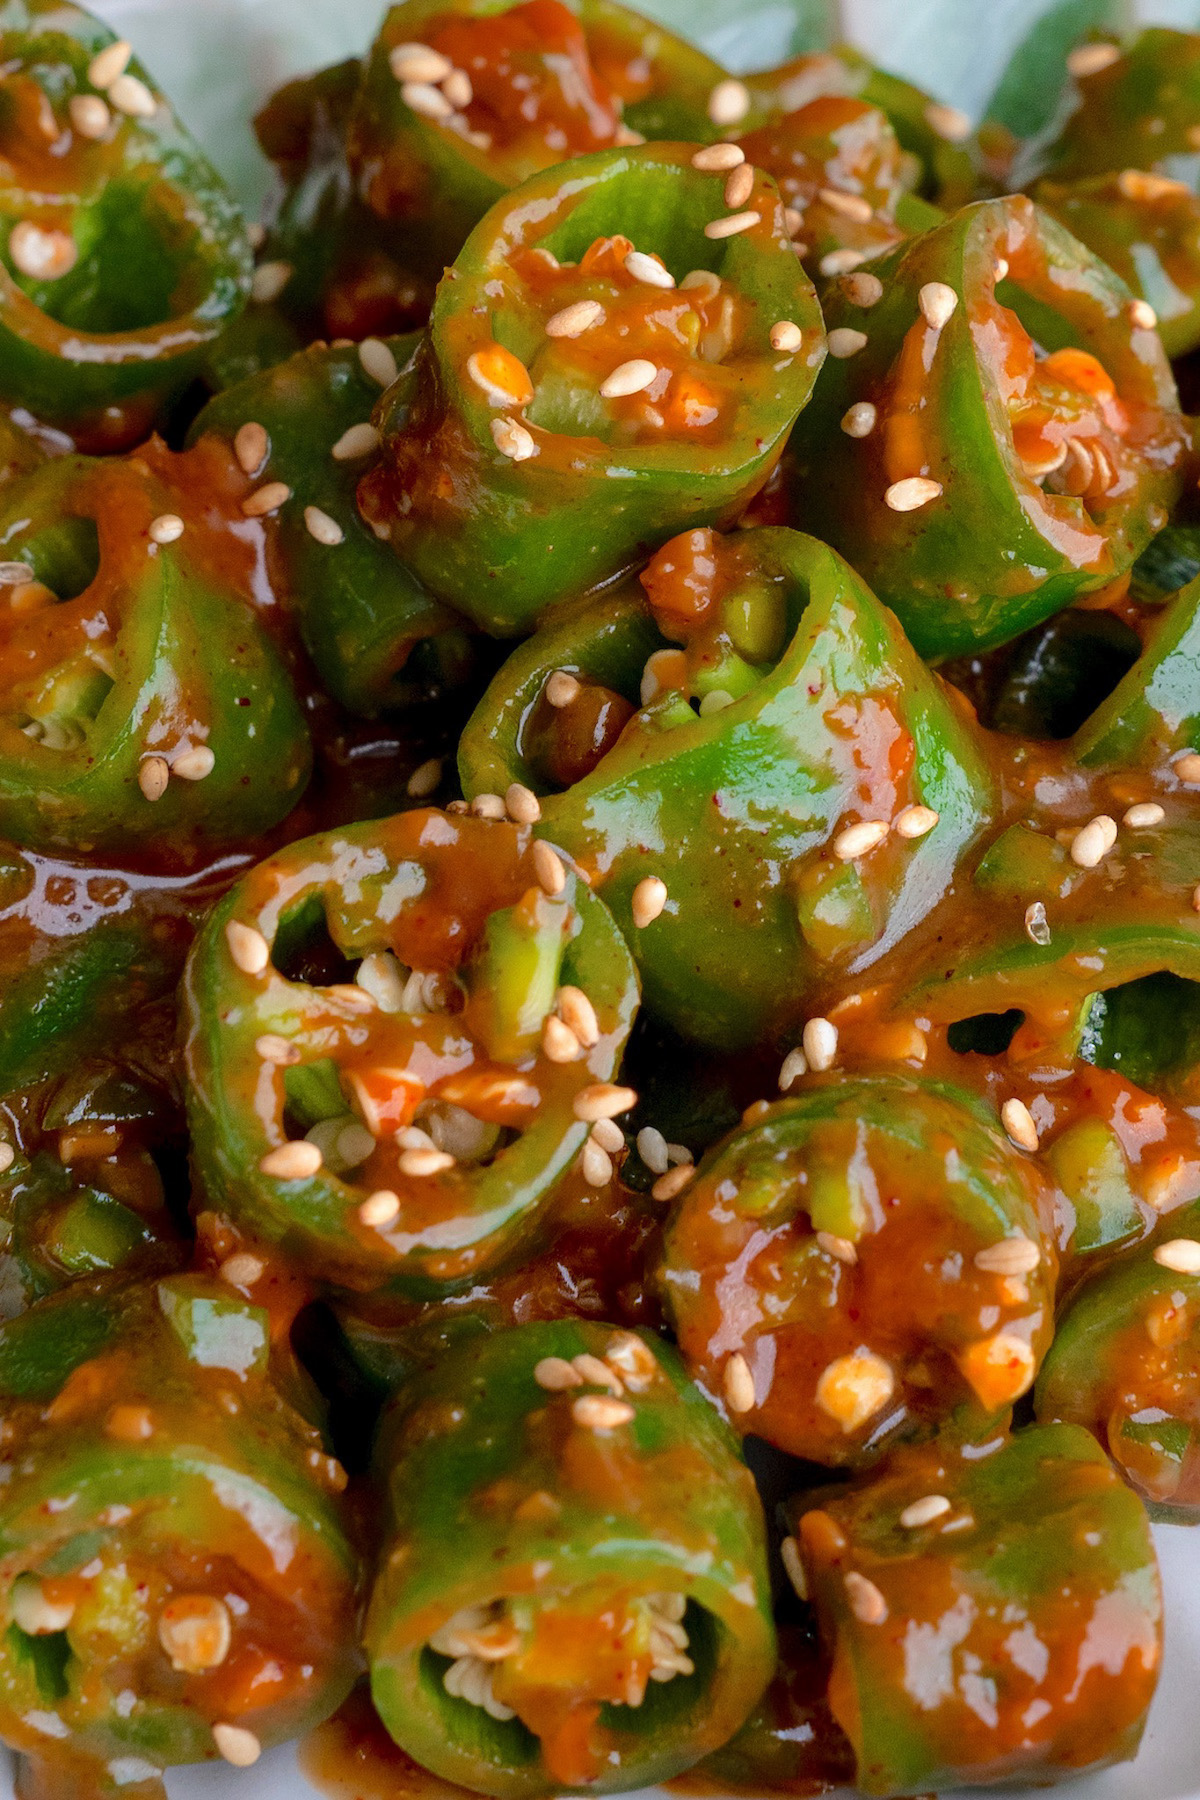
[498, 1488]
[781, 1256]
[361, 613]
[1040, 1552]
[1125, 1362]
[159, 1463]
[503, 539]
[1137, 112]
[790, 1744]
[154, 650]
[160, 261]
[736, 810]
[1148, 230]
[461, 904]
[985, 552]
[575, 80]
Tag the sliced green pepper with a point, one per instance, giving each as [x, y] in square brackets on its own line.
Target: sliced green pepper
[122, 253]
[780, 1260]
[376, 1098]
[977, 485]
[175, 1579]
[962, 1600]
[1139, 110]
[377, 638]
[463, 100]
[576, 406]
[813, 713]
[572, 1589]
[1125, 1362]
[134, 649]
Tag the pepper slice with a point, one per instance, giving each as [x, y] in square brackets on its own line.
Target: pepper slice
[962, 1602]
[576, 403]
[379, 641]
[1138, 111]
[510, 1650]
[175, 1578]
[780, 1259]
[1125, 1363]
[132, 649]
[463, 100]
[814, 718]
[391, 1053]
[122, 253]
[978, 486]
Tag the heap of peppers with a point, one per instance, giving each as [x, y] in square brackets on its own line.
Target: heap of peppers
[599, 914]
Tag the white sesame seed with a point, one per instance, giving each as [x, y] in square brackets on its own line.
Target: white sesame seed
[556, 1374]
[8, 1156]
[1187, 769]
[948, 122]
[487, 806]
[924, 1512]
[859, 840]
[1037, 925]
[266, 499]
[242, 1269]
[608, 1134]
[789, 1552]
[379, 1209]
[248, 947]
[739, 185]
[559, 1043]
[851, 206]
[548, 867]
[89, 115]
[601, 1412]
[729, 102]
[108, 63]
[1180, 1255]
[424, 779]
[858, 421]
[15, 574]
[1092, 844]
[428, 101]
[458, 89]
[912, 493]
[786, 336]
[1000, 272]
[166, 529]
[1089, 59]
[821, 1043]
[840, 262]
[840, 1248]
[418, 62]
[866, 1602]
[575, 319]
[1017, 1121]
[512, 440]
[844, 342]
[320, 526]
[937, 301]
[522, 804]
[576, 1010]
[1011, 1256]
[132, 97]
[652, 1148]
[275, 1049]
[648, 269]
[595, 1165]
[34, 1612]
[649, 899]
[1142, 816]
[43, 255]
[732, 225]
[794, 1064]
[269, 281]
[716, 159]
[196, 764]
[251, 446]
[355, 441]
[237, 1745]
[423, 1163]
[715, 701]
[297, 1160]
[632, 377]
[863, 289]
[1142, 315]
[793, 224]
[154, 772]
[738, 1383]
[602, 1100]
[377, 362]
[915, 821]
[561, 688]
[668, 1186]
